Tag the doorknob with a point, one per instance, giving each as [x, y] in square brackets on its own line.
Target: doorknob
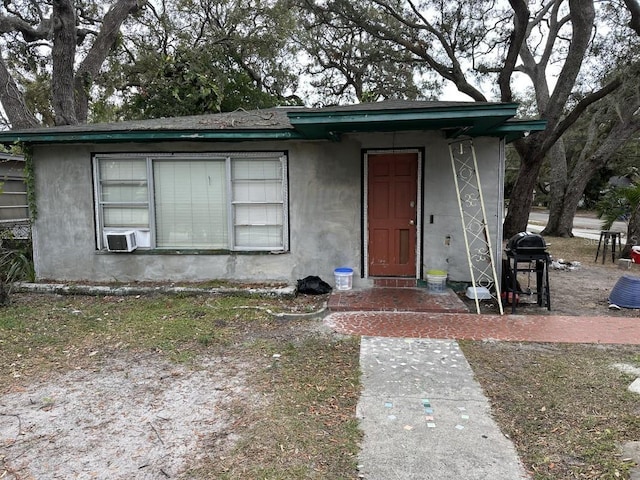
[412, 222]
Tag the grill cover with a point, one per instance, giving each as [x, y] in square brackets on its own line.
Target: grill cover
[525, 242]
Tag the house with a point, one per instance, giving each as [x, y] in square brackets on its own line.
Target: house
[266, 195]
[14, 211]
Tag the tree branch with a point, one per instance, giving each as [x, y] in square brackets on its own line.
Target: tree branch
[104, 41]
[416, 46]
[13, 101]
[582, 20]
[634, 8]
[554, 29]
[28, 32]
[578, 110]
[516, 40]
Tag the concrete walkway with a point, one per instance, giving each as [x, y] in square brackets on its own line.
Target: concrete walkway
[423, 414]
[425, 417]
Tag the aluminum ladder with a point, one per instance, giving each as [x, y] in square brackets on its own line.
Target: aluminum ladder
[472, 213]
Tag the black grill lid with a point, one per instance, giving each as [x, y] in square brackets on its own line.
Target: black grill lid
[526, 242]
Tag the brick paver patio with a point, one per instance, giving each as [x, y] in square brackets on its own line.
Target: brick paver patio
[414, 313]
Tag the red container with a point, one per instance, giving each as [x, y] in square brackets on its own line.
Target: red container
[635, 255]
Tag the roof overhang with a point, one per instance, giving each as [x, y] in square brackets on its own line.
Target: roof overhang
[472, 119]
[514, 129]
[329, 123]
[60, 136]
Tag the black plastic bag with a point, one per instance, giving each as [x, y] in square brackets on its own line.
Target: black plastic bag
[313, 285]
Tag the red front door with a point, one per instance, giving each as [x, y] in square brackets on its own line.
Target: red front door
[392, 202]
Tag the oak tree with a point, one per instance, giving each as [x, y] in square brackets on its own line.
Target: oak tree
[484, 48]
[61, 44]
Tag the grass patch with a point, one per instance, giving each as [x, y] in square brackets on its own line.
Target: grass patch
[49, 327]
[40, 331]
[307, 427]
[573, 249]
[566, 409]
[304, 382]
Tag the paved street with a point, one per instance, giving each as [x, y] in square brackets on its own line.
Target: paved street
[584, 225]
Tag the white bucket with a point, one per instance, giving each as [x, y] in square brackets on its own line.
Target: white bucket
[436, 281]
[344, 278]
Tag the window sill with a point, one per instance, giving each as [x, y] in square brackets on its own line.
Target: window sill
[169, 251]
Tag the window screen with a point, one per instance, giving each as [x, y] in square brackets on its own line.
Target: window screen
[232, 201]
[257, 203]
[124, 193]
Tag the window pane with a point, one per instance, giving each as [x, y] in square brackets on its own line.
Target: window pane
[191, 204]
[258, 214]
[125, 216]
[258, 203]
[247, 169]
[258, 236]
[257, 191]
[125, 192]
[123, 169]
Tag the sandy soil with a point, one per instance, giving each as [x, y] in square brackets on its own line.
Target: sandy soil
[580, 290]
[585, 290]
[135, 417]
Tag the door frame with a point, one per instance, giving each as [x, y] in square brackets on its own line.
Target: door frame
[365, 205]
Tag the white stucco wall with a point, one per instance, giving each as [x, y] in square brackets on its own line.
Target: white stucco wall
[325, 213]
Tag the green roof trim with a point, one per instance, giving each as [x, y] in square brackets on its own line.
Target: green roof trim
[372, 115]
[471, 117]
[144, 136]
[296, 123]
[515, 129]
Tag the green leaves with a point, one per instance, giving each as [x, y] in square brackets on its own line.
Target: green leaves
[618, 203]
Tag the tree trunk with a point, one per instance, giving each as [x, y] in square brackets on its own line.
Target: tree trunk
[586, 168]
[63, 55]
[13, 101]
[521, 197]
[634, 8]
[558, 184]
[571, 199]
[533, 149]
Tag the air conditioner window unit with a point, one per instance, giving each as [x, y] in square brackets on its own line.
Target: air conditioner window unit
[121, 241]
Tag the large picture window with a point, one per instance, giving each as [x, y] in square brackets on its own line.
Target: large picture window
[231, 201]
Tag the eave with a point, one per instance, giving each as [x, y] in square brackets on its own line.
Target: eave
[474, 119]
[144, 136]
[515, 129]
[455, 119]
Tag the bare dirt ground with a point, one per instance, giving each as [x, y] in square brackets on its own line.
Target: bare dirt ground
[135, 416]
[115, 411]
[577, 284]
[585, 290]
[580, 290]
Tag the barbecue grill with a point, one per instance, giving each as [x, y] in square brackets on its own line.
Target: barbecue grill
[527, 252]
[526, 243]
